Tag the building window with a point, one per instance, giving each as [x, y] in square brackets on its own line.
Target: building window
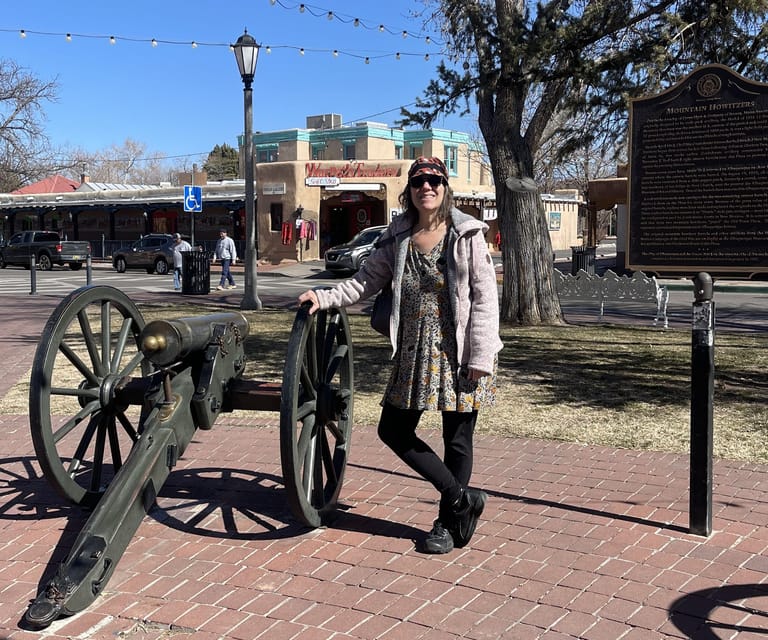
[398, 152]
[349, 151]
[318, 151]
[276, 216]
[267, 155]
[415, 151]
[451, 159]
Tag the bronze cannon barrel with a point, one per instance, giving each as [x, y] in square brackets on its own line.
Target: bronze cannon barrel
[167, 341]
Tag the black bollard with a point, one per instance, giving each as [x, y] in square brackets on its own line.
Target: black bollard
[88, 270]
[32, 275]
[702, 392]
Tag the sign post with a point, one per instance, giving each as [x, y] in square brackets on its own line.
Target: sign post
[193, 203]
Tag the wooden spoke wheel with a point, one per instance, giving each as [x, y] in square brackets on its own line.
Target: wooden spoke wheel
[81, 429]
[316, 413]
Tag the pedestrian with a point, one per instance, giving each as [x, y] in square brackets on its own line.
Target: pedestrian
[226, 252]
[444, 328]
[179, 245]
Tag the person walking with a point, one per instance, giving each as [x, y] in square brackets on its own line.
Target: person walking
[179, 245]
[444, 333]
[227, 254]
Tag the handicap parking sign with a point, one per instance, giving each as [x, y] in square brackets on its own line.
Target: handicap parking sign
[193, 199]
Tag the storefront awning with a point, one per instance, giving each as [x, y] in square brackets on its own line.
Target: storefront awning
[355, 186]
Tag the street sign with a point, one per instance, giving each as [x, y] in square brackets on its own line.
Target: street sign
[193, 198]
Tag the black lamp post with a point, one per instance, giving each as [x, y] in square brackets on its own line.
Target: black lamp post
[246, 53]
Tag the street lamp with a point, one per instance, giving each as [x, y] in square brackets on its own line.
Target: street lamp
[246, 53]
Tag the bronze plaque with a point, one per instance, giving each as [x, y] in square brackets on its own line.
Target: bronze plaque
[698, 175]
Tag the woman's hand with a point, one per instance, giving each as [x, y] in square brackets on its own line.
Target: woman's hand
[311, 297]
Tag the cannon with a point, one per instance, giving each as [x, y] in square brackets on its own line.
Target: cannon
[115, 401]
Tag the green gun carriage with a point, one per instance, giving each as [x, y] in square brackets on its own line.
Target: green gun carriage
[115, 401]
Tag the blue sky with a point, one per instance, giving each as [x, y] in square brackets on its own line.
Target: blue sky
[181, 100]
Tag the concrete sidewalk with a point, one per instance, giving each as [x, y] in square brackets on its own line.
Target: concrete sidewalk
[576, 542]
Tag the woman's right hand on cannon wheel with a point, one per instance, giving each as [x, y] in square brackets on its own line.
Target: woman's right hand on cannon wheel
[311, 297]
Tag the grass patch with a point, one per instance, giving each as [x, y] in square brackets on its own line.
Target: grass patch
[618, 386]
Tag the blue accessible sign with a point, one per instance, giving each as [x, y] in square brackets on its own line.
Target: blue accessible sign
[193, 199]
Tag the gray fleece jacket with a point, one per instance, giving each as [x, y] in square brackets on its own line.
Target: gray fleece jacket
[471, 279]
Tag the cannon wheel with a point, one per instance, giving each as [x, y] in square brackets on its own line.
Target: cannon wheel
[80, 430]
[316, 413]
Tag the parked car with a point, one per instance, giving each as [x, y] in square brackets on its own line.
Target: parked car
[47, 248]
[349, 257]
[154, 252]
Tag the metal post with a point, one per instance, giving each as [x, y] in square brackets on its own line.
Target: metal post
[32, 275]
[251, 296]
[88, 270]
[702, 392]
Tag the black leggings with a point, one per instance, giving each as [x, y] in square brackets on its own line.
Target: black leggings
[397, 429]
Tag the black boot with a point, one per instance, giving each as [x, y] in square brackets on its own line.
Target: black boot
[438, 540]
[466, 513]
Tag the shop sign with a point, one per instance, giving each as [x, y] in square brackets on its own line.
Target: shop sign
[273, 188]
[321, 181]
[351, 170]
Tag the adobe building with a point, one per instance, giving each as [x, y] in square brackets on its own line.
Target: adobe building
[315, 188]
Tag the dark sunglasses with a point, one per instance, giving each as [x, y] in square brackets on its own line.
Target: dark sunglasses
[417, 182]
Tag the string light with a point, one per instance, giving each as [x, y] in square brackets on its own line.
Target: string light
[347, 19]
[154, 42]
[367, 60]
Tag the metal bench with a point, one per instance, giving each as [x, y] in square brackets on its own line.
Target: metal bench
[614, 288]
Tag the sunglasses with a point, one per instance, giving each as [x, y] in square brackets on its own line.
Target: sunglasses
[417, 182]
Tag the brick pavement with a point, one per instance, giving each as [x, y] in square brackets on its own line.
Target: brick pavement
[576, 542]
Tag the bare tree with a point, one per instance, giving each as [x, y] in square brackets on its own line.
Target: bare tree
[128, 163]
[24, 152]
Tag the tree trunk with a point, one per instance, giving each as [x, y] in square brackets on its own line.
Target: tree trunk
[528, 295]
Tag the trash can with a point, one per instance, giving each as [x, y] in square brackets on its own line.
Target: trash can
[583, 258]
[195, 272]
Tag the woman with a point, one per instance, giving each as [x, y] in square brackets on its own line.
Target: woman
[444, 330]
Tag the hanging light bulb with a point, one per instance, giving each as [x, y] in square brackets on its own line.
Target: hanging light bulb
[69, 37]
[397, 56]
[301, 8]
[428, 40]
[356, 22]
[405, 34]
[426, 57]
[269, 49]
[381, 28]
[194, 44]
[335, 53]
[154, 42]
[112, 40]
[22, 34]
[301, 51]
[330, 15]
[367, 60]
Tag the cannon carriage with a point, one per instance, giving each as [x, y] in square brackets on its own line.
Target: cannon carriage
[115, 401]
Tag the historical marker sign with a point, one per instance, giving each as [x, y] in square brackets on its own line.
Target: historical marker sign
[698, 198]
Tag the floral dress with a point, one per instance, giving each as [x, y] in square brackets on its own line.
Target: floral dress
[425, 375]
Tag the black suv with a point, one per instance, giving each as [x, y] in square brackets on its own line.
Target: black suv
[352, 255]
[154, 252]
